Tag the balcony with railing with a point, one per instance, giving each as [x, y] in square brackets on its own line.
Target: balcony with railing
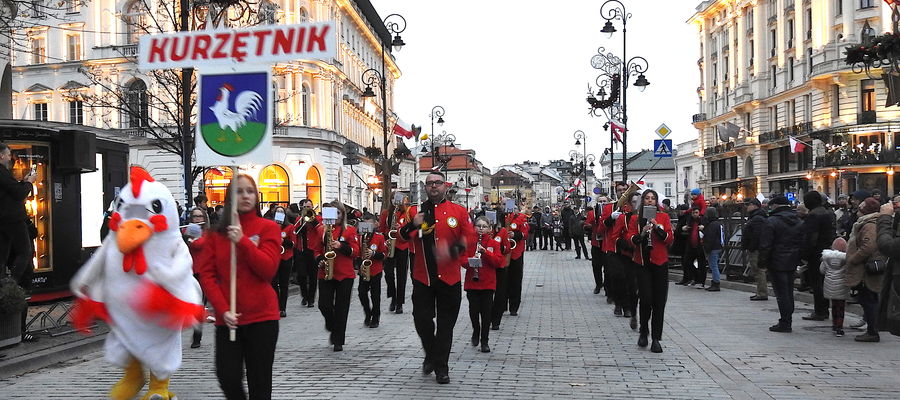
[718, 149]
[698, 118]
[126, 51]
[840, 156]
[783, 133]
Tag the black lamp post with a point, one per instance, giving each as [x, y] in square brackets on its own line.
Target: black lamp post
[395, 24]
[581, 139]
[635, 66]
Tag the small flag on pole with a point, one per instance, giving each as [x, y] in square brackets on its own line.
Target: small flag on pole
[617, 129]
[403, 129]
[796, 145]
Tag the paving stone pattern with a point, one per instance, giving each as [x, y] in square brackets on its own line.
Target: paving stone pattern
[565, 343]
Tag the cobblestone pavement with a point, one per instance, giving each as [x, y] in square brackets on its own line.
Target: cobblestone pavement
[565, 343]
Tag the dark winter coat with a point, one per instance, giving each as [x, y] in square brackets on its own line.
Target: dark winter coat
[781, 239]
[576, 225]
[889, 244]
[750, 233]
[819, 229]
[713, 233]
[12, 198]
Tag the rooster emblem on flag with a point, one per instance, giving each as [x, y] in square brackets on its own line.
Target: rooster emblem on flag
[233, 112]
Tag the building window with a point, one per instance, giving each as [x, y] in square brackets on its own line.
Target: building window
[73, 6]
[303, 15]
[809, 60]
[747, 123]
[215, 184]
[748, 18]
[137, 105]
[791, 109]
[73, 47]
[790, 34]
[305, 104]
[76, 112]
[838, 7]
[773, 118]
[314, 186]
[867, 95]
[835, 102]
[807, 108]
[750, 51]
[791, 69]
[774, 77]
[866, 3]
[667, 189]
[38, 50]
[773, 42]
[135, 21]
[274, 186]
[807, 23]
[40, 112]
[715, 72]
[37, 8]
[725, 70]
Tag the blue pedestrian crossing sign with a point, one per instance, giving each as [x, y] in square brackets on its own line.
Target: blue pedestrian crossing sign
[662, 148]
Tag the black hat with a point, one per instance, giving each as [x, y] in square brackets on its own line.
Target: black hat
[754, 202]
[861, 195]
[779, 200]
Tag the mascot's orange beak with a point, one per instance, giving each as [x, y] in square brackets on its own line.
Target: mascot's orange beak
[131, 235]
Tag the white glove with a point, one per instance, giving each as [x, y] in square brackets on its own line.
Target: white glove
[615, 214]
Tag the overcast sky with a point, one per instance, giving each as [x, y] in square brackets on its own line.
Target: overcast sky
[513, 78]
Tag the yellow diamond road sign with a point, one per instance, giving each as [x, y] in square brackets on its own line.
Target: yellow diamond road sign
[663, 131]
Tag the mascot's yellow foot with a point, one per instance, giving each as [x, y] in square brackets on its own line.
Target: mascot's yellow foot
[159, 390]
[130, 384]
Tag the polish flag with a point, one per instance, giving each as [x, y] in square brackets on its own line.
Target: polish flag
[577, 182]
[571, 189]
[403, 129]
[796, 145]
[617, 128]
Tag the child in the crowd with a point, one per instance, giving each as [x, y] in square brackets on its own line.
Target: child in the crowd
[834, 268]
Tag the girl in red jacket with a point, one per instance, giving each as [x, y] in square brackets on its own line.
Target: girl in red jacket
[257, 243]
[283, 278]
[652, 238]
[481, 292]
[375, 250]
[334, 293]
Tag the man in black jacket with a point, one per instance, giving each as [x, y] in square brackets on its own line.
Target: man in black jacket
[750, 237]
[779, 249]
[819, 229]
[14, 236]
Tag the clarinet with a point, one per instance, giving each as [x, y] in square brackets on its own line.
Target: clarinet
[475, 276]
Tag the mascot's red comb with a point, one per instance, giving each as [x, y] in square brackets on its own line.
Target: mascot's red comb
[137, 178]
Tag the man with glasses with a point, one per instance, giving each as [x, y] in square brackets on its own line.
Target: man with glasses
[442, 237]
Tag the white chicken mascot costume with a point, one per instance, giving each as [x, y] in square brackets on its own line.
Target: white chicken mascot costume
[140, 281]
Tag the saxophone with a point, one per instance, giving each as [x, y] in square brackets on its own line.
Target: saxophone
[329, 254]
[365, 269]
[392, 235]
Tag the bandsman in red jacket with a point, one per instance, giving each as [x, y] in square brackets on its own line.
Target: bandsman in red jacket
[623, 273]
[334, 293]
[518, 231]
[481, 282]
[597, 231]
[288, 240]
[443, 239]
[500, 293]
[396, 268]
[305, 264]
[372, 248]
[652, 236]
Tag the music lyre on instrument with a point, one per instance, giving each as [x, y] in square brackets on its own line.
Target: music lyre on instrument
[366, 230]
[329, 215]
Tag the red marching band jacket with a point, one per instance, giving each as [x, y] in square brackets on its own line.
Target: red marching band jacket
[517, 224]
[378, 245]
[401, 218]
[609, 239]
[287, 233]
[594, 222]
[343, 263]
[504, 246]
[310, 232]
[452, 227]
[491, 260]
[661, 237]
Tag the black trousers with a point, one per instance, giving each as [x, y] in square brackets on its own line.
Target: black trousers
[307, 270]
[653, 284]
[630, 286]
[532, 238]
[254, 350]
[282, 281]
[480, 303]
[334, 303]
[16, 253]
[371, 289]
[548, 239]
[597, 259]
[615, 277]
[816, 282]
[579, 246]
[868, 300]
[514, 281]
[783, 286]
[500, 298]
[442, 301]
[689, 271]
[566, 239]
[395, 272]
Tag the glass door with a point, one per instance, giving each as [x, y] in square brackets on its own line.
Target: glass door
[28, 157]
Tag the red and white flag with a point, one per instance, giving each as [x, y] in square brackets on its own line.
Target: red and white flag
[617, 128]
[796, 145]
[571, 189]
[577, 182]
[403, 129]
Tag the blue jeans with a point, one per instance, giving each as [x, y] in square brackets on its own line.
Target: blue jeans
[714, 264]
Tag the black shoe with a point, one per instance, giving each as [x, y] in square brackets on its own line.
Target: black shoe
[392, 307]
[513, 313]
[303, 302]
[399, 309]
[618, 311]
[815, 317]
[310, 304]
[495, 327]
[642, 340]
[780, 328]
[633, 322]
[758, 298]
[427, 368]
[655, 347]
[374, 323]
[839, 332]
[683, 282]
[588, 258]
[475, 338]
[868, 338]
[626, 314]
[713, 287]
[283, 314]
[338, 347]
[597, 290]
[442, 377]
[485, 348]
[29, 338]
[609, 300]
[195, 344]
[368, 320]
[578, 257]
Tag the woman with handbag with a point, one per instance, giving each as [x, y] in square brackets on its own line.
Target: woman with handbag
[865, 266]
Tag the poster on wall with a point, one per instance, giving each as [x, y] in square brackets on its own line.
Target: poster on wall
[235, 118]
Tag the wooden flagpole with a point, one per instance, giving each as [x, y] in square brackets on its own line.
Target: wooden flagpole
[235, 220]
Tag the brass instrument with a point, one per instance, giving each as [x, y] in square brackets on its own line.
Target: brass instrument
[307, 215]
[329, 253]
[365, 269]
[626, 197]
[392, 234]
[283, 236]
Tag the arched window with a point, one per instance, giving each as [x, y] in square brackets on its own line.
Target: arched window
[274, 186]
[748, 167]
[135, 19]
[314, 187]
[302, 15]
[305, 99]
[136, 104]
[215, 183]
